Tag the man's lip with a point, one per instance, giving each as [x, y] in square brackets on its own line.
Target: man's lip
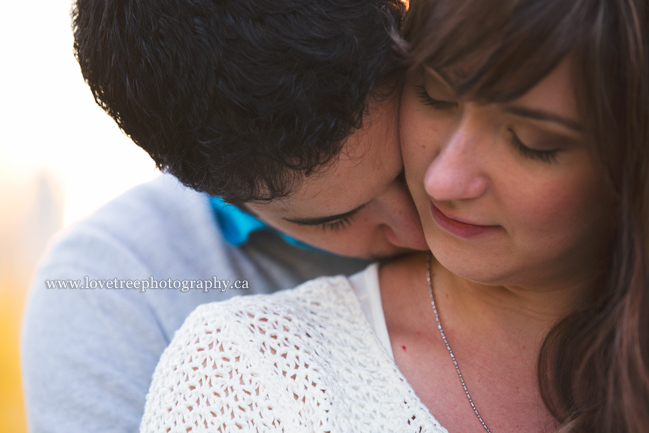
[457, 227]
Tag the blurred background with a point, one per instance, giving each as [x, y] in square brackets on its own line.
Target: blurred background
[61, 158]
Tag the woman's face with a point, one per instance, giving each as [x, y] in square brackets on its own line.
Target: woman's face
[508, 194]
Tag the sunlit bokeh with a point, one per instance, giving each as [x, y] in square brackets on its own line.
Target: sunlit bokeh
[61, 157]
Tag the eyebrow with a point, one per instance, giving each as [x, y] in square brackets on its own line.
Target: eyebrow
[544, 116]
[316, 221]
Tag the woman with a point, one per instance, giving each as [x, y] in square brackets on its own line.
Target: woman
[525, 135]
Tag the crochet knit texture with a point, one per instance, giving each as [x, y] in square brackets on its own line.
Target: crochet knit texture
[301, 360]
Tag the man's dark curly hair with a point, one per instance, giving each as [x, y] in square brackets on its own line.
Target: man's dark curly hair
[237, 97]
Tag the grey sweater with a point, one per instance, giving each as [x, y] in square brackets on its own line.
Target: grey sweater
[88, 353]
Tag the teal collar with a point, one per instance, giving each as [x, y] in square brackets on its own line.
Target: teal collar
[237, 225]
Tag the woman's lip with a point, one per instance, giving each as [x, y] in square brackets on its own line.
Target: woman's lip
[459, 228]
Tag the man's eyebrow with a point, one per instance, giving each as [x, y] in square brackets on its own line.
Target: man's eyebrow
[543, 115]
[316, 221]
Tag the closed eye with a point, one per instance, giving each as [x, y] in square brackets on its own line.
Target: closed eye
[338, 224]
[425, 98]
[548, 156]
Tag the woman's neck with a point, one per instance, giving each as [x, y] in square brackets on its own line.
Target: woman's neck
[517, 314]
[495, 332]
[507, 307]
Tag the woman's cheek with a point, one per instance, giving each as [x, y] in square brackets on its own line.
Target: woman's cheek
[557, 213]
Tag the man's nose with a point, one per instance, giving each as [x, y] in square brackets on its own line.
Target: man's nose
[457, 172]
[399, 218]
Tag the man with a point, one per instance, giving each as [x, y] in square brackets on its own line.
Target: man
[253, 101]
[286, 109]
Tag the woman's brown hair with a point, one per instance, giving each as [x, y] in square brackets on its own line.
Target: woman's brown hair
[593, 367]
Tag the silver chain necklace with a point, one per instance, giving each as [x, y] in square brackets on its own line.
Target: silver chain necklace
[448, 346]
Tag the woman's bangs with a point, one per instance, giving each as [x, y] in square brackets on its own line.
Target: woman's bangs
[493, 51]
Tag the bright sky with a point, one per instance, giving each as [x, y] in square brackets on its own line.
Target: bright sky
[48, 118]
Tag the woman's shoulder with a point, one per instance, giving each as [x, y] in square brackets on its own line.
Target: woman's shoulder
[264, 350]
[319, 316]
[314, 300]
[304, 359]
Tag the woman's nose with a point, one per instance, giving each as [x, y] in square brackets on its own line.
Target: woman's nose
[458, 172]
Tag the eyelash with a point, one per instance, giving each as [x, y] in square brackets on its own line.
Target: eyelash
[548, 156]
[435, 103]
[339, 224]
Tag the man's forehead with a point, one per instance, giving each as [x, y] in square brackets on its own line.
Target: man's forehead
[331, 195]
[369, 161]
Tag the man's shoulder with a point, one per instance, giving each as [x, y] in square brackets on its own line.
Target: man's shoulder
[162, 202]
[161, 215]
[163, 230]
[101, 345]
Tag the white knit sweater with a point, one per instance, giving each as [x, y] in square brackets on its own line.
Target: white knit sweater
[302, 360]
